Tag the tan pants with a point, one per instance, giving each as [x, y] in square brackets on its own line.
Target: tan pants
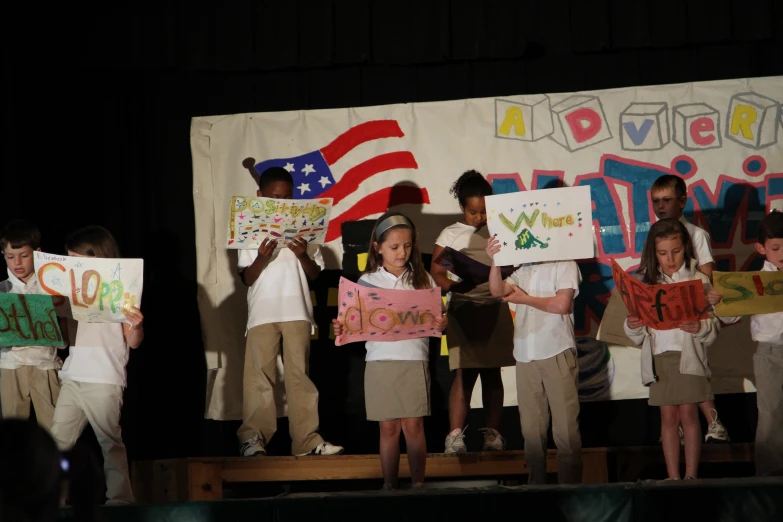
[541, 386]
[100, 405]
[18, 387]
[258, 402]
[768, 367]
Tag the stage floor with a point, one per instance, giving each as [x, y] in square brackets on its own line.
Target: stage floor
[713, 500]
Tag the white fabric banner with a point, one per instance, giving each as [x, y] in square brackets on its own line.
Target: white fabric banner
[722, 137]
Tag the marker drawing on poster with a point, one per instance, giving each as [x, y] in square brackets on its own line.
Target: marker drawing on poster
[100, 290]
[252, 220]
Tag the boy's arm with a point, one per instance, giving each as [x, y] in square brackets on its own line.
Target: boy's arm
[311, 268]
[134, 332]
[559, 304]
[566, 287]
[497, 287]
[251, 273]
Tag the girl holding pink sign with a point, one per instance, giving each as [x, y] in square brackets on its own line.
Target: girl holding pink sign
[397, 377]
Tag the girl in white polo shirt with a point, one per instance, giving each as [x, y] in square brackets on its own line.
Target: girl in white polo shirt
[674, 362]
[93, 376]
[481, 330]
[397, 377]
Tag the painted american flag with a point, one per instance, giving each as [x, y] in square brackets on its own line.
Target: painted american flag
[320, 173]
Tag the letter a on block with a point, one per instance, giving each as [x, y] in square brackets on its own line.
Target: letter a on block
[514, 121]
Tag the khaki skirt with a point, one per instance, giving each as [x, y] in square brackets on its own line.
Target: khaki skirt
[480, 333]
[674, 388]
[396, 389]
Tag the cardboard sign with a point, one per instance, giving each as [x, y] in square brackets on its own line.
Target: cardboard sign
[252, 220]
[100, 290]
[541, 225]
[28, 320]
[376, 314]
[466, 268]
[663, 307]
[748, 293]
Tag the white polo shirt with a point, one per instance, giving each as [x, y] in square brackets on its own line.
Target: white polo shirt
[99, 355]
[541, 335]
[405, 349]
[281, 293]
[701, 242]
[767, 328]
[42, 357]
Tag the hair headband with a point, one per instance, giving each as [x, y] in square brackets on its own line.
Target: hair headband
[389, 222]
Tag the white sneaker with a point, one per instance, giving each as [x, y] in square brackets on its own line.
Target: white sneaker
[493, 441]
[324, 448]
[252, 447]
[716, 432]
[455, 442]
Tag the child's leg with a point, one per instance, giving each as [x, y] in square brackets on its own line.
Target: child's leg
[768, 368]
[259, 411]
[44, 390]
[670, 439]
[689, 418]
[102, 404]
[492, 396]
[416, 443]
[15, 392]
[390, 451]
[560, 375]
[534, 418]
[69, 419]
[301, 393]
[459, 396]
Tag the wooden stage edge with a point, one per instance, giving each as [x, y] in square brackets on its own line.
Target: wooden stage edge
[198, 479]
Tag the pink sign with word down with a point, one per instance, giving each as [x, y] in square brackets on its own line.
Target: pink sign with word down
[377, 314]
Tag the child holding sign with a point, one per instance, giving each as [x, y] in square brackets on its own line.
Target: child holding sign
[481, 332]
[280, 319]
[674, 362]
[547, 370]
[93, 376]
[767, 331]
[397, 376]
[27, 373]
[669, 195]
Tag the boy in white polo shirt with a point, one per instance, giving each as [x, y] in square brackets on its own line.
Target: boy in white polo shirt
[767, 331]
[546, 370]
[27, 373]
[669, 194]
[280, 316]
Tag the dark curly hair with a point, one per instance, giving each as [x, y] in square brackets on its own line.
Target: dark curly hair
[470, 185]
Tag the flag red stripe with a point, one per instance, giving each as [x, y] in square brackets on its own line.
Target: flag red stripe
[351, 180]
[355, 136]
[376, 203]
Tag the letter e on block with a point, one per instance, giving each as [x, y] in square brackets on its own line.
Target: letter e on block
[644, 126]
[525, 118]
[752, 120]
[696, 126]
[579, 122]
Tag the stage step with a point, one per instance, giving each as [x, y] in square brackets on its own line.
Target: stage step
[176, 480]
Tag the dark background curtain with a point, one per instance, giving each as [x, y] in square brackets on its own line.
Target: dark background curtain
[97, 106]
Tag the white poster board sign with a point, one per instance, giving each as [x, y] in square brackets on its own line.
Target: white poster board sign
[541, 225]
[100, 290]
[252, 220]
